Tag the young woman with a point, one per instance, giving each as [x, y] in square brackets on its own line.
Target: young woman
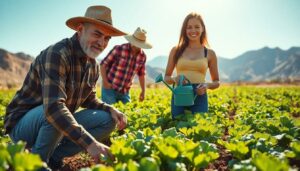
[191, 58]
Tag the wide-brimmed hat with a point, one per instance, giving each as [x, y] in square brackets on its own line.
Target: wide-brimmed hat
[98, 15]
[138, 39]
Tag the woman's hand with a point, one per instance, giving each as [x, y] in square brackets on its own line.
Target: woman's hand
[201, 89]
[177, 80]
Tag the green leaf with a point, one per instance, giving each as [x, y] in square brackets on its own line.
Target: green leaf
[140, 146]
[264, 162]
[188, 132]
[296, 148]
[244, 165]
[121, 167]
[213, 155]
[148, 164]
[201, 161]
[23, 161]
[132, 165]
[189, 155]
[261, 145]
[285, 121]
[13, 149]
[190, 145]
[126, 154]
[171, 132]
[283, 139]
[4, 159]
[208, 147]
[168, 151]
[176, 166]
[140, 134]
[239, 149]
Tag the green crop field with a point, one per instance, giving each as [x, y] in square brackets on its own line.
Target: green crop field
[246, 128]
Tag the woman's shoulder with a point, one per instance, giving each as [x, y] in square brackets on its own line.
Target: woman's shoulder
[174, 48]
[173, 51]
[211, 53]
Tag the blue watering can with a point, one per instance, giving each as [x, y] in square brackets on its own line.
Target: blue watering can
[183, 94]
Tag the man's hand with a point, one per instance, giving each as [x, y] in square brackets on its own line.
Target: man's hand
[119, 118]
[142, 96]
[96, 149]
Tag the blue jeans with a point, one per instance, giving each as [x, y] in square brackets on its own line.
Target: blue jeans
[111, 96]
[47, 141]
[200, 105]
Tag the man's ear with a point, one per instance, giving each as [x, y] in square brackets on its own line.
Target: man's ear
[80, 29]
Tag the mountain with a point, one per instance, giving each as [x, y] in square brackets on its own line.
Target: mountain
[13, 68]
[152, 72]
[158, 62]
[265, 64]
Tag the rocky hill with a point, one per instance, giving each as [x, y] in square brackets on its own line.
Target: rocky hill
[13, 68]
[264, 64]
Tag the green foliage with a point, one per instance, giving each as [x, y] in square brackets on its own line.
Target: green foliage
[148, 164]
[238, 149]
[296, 148]
[259, 127]
[265, 162]
[14, 157]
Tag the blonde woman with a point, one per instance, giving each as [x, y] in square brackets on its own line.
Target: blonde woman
[191, 58]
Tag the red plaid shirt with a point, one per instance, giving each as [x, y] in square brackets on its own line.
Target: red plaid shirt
[122, 66]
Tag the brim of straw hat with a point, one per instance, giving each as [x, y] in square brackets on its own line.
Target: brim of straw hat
[138, 43]
[106, 28]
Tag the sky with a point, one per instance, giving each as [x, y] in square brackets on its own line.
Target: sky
[233, 26]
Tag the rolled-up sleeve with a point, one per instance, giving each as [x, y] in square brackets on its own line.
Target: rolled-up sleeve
[142, 70]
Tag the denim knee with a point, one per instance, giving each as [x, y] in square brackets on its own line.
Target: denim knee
[110, 123]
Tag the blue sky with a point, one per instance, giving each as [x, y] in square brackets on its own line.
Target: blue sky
[233, 26]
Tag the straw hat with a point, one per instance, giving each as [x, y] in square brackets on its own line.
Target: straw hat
[98, 15]
[138, 39]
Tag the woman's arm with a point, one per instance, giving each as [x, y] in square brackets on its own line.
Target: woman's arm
[170, 67]
[213, 69]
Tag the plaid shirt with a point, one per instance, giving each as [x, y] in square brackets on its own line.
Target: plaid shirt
[122, 66]
[62, 78]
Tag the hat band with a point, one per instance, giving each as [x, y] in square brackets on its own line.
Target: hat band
[138, 39]
[104, 21]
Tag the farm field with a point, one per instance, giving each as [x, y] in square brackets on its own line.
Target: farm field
[246, 128]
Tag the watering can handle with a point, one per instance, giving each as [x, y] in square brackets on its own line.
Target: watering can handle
[182, 78]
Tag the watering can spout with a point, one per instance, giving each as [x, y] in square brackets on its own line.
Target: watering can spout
[159, 78]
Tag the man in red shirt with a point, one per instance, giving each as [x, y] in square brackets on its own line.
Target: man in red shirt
[121, 64]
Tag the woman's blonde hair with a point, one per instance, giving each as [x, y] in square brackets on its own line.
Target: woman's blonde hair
[183, 39]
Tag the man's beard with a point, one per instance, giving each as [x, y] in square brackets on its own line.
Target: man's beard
[88, 49]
